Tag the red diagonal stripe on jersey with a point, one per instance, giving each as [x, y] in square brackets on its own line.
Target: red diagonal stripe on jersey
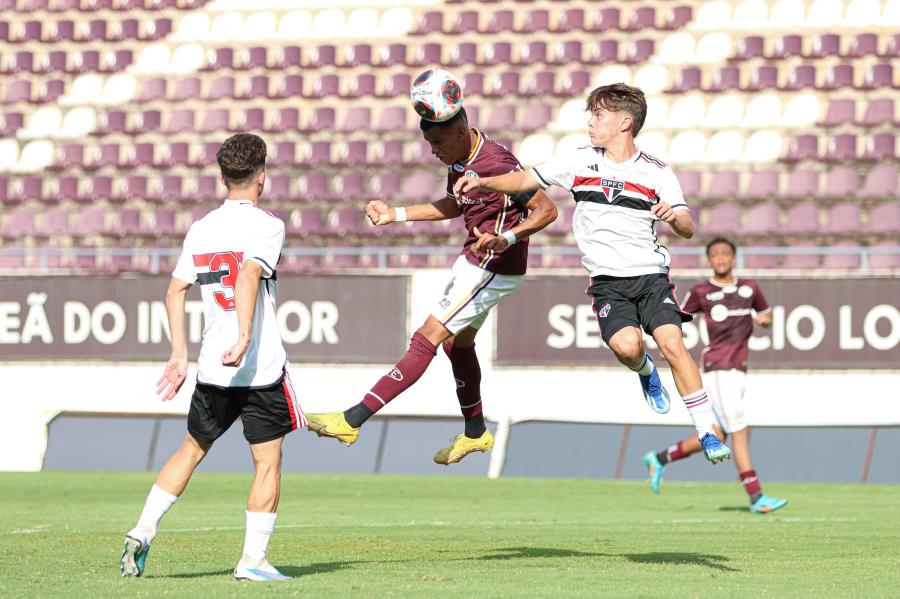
[640, 189]
[205, 259]
[593, 181]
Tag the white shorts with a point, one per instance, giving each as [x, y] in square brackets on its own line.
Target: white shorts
[470, 294]
[725, 389]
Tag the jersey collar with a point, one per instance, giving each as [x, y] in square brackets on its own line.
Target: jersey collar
[479, 141]
[236, 202]
[619, 165]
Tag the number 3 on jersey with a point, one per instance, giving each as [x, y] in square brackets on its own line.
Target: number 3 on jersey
[230, 262]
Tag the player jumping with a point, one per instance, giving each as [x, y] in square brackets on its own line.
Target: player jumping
[621, 193]
[231, 253]
[491, 267]
[728, 305]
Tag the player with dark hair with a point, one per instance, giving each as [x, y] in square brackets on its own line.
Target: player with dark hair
[231, 253]
[621, 194]
[730, 305]
[491, 266]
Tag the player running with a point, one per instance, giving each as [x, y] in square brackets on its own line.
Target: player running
[231, 253]
[730, 306]
[621, 193]
[491, 266]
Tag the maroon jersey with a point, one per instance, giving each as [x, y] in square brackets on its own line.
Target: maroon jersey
[726, 310]
[489, 211]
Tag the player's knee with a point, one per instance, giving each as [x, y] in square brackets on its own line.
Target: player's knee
[627, 345]
[673, 349]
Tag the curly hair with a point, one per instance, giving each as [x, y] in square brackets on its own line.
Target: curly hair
[241, 157]
[619, 97]
[460, 119]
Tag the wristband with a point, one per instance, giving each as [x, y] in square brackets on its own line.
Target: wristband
[399, 215]
[509, 236]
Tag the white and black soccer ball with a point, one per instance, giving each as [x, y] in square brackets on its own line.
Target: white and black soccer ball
[436, 95]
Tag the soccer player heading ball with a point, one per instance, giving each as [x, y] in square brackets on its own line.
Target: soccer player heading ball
[231, 253]
[621, 194]
[728, 304]
[491, 267]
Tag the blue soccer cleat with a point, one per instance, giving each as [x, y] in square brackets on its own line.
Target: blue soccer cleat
[656, 395]
[656, 469]
[259, 572]
[766, 504]
[714, 450]
[134, 556]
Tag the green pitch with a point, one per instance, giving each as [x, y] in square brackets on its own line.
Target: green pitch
[443, 536]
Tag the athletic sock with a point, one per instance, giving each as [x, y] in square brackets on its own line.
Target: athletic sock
[647, 366]
[259, 529]
[402, 376]
[701, 412]
[672, 453]
[157, 504]
[357, 415]
[467, 373]
[751, 484]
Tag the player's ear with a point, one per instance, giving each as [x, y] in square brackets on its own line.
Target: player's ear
[261, 178]
[626, 122]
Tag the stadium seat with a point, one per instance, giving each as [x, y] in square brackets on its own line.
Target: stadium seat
[466, 22]
[881, 182]
[502, 21]
[762, 184]
[312, 187]
[723, 185]
[723, 219]
[323, 119]
[843, 218]
[344, 222]
[880, 147]
[357, 118]
[801, 148]
[324, 86]
[800, 77]
[392, 55]
[725, 79]
[571, 19]
[883, 218]
[802, 219]
[605, 19]
[879, 111]
[396, 85]
[466, 53]
[290, 86]
[842, 260]
[840, 148]
[288, 57]
[840, 182]
[802, 261]
[838, 77]
[393, 118]
[252, 119]
[825, 45]
[885, 260]
[839, 112]
[760, 261]
[787, 46]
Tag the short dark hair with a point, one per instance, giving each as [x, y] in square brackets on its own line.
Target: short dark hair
[460, 118]
[718, 240]
[240, 158]
[619, 97]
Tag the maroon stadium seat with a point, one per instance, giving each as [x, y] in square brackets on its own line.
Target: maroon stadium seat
[677, 17]
[427, 54]
[323, 56]
[466, 22]
[536, 21]
[290, 86]
[566, 52]
[880, 147]
[839, 112]
[283, 153]
[838, 77]
[787, 46]
[322, 120]
[392, 118]
[879, 111]
[221, 88]
[313, 186]
[802, 260]
[361, 86]
[843, 218]
[256, 57]
[536, 116]
[542, 83]
[749, 47]
[840, 148]
[862, 45]
[429, 23]
[840, 182]
[762, 78]
[800, 77]
[723, 185]
[501, 21]
[762, 184]
[842, 260]
[17, 91]
[825, 45]
[255, 87]
[884, 218]
[324, 86]
[639, 51]
[219, 59]
[388, 151]
[278, 187]
[216, 119]
[397, 84]
[353, 153]
[885, 260]
[289, 57]
[801, 219]
[358, 118]
[725, 79]
[358, 55]
[752, 260]
[532, 53]
[605, 19]
[643, 17]
[392, 55]
[286, 119]
[344, 222]
[686, 80]
[465, 53]
[802, 147]
[878, 76]
[881, 182]
[723, 219]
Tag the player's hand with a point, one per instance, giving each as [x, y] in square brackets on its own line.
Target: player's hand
[233, 356]
[663, 212]
[173, 377]
[379, 213]
[764, 319]
[464, 185]
[486, 241]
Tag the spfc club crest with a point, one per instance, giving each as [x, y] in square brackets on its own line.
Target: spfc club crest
[604, 311]
[612, 189]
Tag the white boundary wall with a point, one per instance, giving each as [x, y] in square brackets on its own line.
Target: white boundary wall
[35, 393]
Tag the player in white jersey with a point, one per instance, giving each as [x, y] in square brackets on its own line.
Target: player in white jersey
[231, 253]
[621, 194]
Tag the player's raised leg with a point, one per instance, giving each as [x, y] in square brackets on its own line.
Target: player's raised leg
[261, 506]
[690, 386]
[344, 426]
[467, 376]
[170, 483]
[628, 346]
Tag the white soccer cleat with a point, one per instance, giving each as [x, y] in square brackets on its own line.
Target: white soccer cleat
[258, 572]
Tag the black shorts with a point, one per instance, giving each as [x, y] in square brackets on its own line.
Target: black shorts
[646, 301]
[266, 412]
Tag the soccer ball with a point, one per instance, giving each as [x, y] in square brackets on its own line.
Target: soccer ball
[436, 95]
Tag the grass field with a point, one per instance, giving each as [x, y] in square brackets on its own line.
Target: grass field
[389, 536]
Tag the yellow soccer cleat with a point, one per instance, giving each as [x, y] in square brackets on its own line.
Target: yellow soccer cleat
[334, 425]
[463, 446]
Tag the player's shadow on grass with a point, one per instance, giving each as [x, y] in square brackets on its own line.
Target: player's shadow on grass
[734, 508]
[295, 571]
[696, 559]
[526, 552]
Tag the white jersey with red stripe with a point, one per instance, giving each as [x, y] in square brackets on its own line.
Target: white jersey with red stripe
[613, 225]
[214, 249]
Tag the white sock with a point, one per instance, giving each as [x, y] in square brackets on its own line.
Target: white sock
[646, 367]
[259, 528]
[701, 412]
[158, 503]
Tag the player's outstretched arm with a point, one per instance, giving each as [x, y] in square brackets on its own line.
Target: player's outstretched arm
[542, 213]
[176, 368]
[511, 183]
[382, 214]
[245, 292]
[679, 220]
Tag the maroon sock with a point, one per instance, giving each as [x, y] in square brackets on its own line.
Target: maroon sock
[751, 482]
[677, 452]
[467, 373]
[402, 376]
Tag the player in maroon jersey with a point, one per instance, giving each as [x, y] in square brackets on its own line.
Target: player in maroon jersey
[491, 266]
[730, 305]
